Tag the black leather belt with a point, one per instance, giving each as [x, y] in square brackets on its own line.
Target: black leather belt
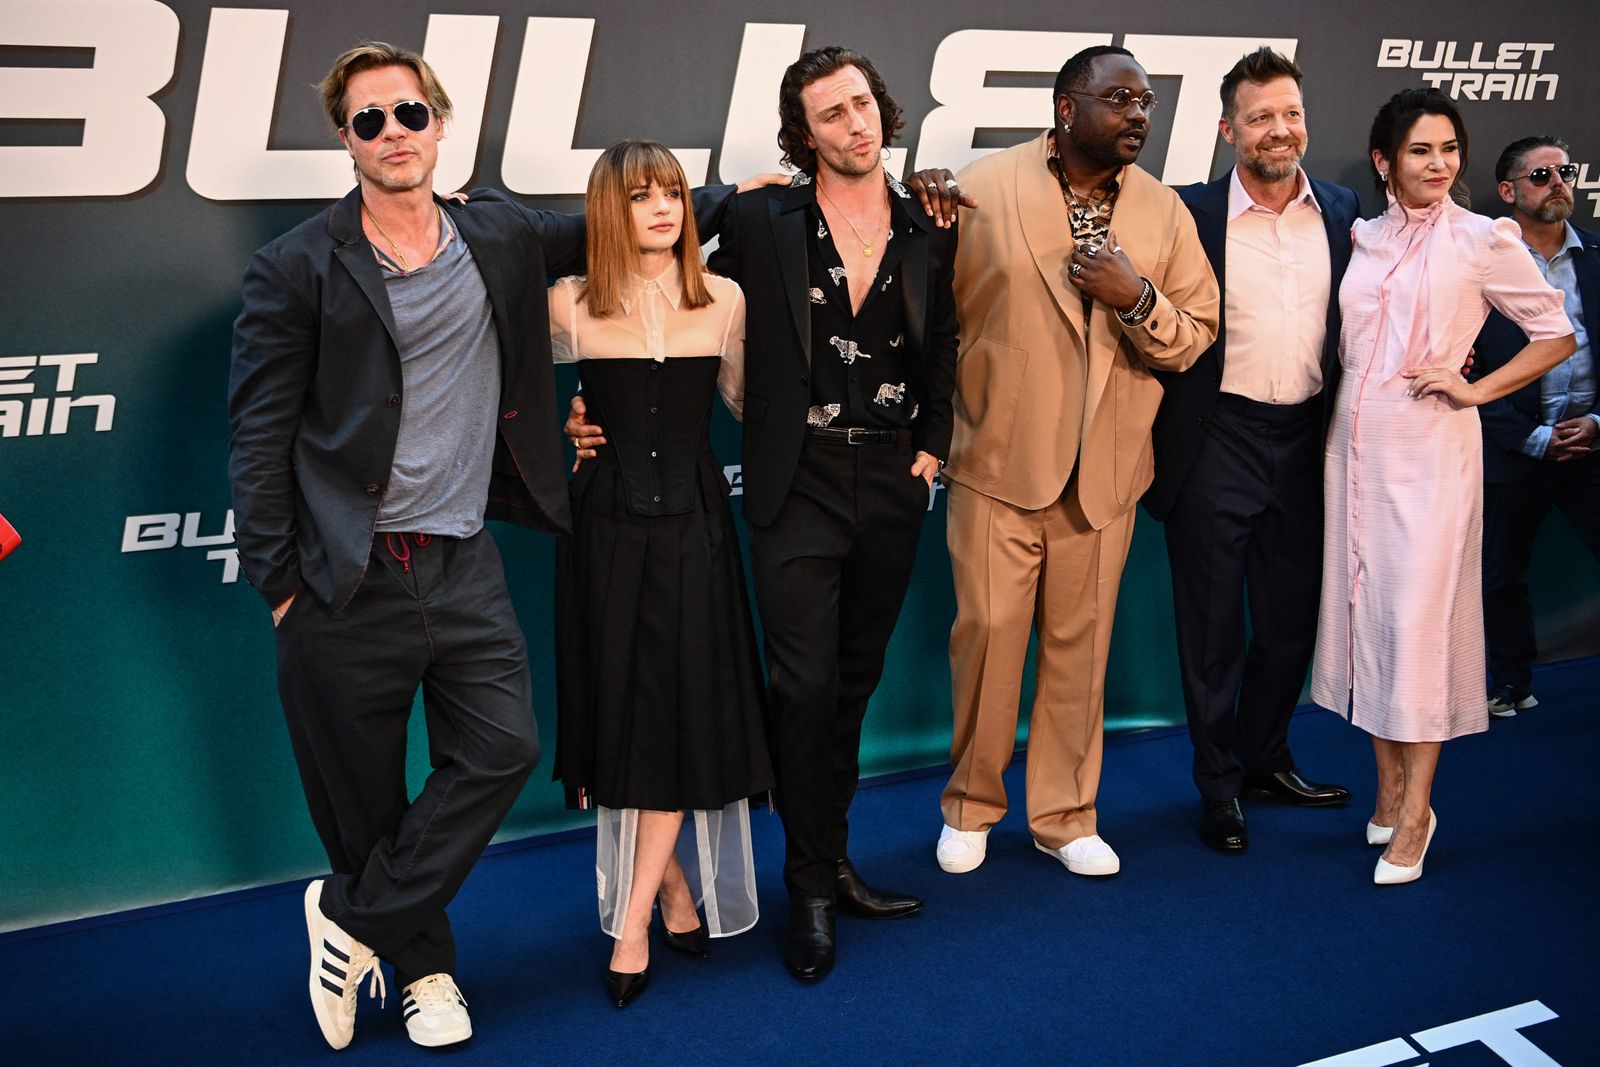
[857, 435]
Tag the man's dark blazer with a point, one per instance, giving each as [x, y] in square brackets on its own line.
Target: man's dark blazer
[1183, 420]
[1507, 422]
[763, 246]
[315, 390]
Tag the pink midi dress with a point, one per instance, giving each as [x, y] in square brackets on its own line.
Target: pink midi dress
[1400, 635]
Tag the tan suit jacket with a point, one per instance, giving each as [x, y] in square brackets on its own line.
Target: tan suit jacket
[1036, 386]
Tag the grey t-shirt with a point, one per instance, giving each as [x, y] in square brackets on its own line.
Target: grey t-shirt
[450, 366]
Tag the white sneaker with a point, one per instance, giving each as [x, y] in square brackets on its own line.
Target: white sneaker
[338, 963]
[436, 1012]
[961, 851]
[1087, 855]
[1504, 703]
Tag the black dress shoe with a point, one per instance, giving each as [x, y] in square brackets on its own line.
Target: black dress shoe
[624, 987]
[1289, 787]
[696, 942]
[808, 947]
[861, 900]
[1222, 826]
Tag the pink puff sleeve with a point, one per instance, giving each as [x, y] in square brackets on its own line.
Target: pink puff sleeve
[1513, 285]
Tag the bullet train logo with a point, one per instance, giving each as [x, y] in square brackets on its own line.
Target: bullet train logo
[122, 131]
[1477, 70]
[40, 397]
[1498, 1032]
[164, 530]
[1588, 185]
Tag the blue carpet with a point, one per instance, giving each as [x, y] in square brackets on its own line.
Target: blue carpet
[1281, 956]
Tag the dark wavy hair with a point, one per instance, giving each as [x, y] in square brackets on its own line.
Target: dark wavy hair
[1393, 125]
[819, 63]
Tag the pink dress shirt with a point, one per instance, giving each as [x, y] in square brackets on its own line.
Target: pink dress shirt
[1278, 275]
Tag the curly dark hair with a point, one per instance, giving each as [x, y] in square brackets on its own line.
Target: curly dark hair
[1393, 125]
[819, 63]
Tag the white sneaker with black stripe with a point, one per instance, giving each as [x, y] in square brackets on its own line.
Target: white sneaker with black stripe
[338, 963]
[436, 1012]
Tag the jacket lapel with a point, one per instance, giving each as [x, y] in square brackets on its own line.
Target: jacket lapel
[1336, 223]
[1588, 269]
[1047, 230]
[483, 241]
[1211, 226]
[789, 236]
[355, 253]
[1129, 222]
[914, 280]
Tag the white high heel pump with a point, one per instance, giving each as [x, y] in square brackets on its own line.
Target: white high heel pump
[1387, 873]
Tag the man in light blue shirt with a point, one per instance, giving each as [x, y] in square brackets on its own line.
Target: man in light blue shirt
[1541, 443]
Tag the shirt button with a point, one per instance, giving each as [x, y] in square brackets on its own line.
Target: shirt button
[653, 455]
[655, 366]
[654, 410]
[509, 415]
[656, 498]
[394, 400]
[372, 490]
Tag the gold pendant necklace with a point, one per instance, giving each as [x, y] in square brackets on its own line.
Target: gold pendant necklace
[866, 245]
[399, 255]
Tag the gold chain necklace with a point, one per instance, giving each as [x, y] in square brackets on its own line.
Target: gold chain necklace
[866, 245]
[405, 265]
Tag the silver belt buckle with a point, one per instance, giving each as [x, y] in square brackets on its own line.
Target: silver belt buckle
[850, 435]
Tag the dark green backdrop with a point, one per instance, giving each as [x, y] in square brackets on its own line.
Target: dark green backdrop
[142, 752]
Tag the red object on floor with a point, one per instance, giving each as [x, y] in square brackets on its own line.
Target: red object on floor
[9, 538]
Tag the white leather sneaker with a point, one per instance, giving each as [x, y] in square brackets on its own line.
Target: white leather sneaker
[961, 851]
[436, 1012]
[1088, 856]
[338, 963]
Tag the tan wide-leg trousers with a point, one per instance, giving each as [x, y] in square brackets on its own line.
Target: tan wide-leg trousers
[1017, 570]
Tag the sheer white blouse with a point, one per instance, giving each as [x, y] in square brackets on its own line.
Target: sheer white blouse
[655, 324]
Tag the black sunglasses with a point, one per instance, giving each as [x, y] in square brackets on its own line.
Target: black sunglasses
[368, 123]
[1540, 176]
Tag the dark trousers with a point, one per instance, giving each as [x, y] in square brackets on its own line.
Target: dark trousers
[1246, 532]
[440, 617]
[830, 575]
[1512, 514]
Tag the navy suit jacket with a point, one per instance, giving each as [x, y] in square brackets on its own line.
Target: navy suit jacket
[1507, 422]
[1184, 417]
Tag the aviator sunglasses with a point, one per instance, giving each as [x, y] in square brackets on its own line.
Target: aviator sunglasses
[1540, 176]
[368, 123]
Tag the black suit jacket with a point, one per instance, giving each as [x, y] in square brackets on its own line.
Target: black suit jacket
[314, 394]
[762, 245]
[1182, 422]
[1507, 422]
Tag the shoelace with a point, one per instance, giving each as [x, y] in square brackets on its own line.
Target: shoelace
[362, 960]
[437, 994]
